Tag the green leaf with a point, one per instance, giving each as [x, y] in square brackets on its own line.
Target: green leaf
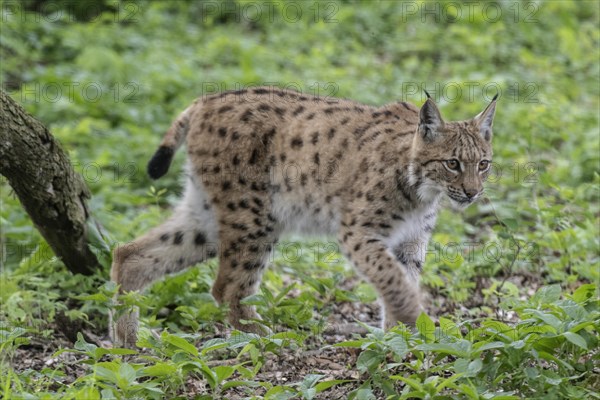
[280, 393]
[490, 346]
[470, 391]
[200, 366]
[449, 382]
[15, 333]
[364, 394]
[323, 386]
[548, 318]
[120, 351]
[426, 327]
[449, 328]
[474, 367]
[444, 348]
[358, 344]
[413, 383]
[223, 372]
[82, 345]
[552, 377]
[99, 297]
[461, 365]
[214, 344]
[159, 369]
[531, 373]
[181, 343]
[431, 380]
[310, 380]
[369, 360]
[584, 293]
[511, 223]
[106, 372]
[126, 375]
[547, 294]
[87, 392]
[576, 339]
[398, 345]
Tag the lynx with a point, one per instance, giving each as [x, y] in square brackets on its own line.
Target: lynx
[263, 162]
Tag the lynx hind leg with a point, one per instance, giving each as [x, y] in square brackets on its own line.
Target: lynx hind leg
[247, 237]
[188, 237]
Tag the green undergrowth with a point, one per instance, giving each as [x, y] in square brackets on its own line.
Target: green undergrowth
[511, 283]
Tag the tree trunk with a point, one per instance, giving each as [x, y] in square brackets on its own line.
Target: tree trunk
[43, 179]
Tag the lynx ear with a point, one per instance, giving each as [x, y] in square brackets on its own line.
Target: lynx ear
[430, 120]
[484, 120]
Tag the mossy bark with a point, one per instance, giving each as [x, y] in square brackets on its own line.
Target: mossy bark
[43, 179]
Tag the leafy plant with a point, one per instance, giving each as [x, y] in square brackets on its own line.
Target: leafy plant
[513, 280]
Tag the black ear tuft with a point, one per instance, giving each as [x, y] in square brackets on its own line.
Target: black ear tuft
[485, 119]
[427, 94]
[430, 120]
[429, 114]
[496, 96]
[160, 162]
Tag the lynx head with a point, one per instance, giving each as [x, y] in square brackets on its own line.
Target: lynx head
[452, 158]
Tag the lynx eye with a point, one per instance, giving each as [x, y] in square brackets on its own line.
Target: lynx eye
[453, 165]
[483, 165]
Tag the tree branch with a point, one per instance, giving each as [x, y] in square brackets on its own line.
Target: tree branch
[51, 192]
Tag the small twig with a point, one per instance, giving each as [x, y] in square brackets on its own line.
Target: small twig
[508, 270]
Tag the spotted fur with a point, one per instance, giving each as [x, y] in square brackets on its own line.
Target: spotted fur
[264, 162]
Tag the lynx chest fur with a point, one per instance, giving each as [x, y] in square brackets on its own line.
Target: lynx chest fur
[264, 162]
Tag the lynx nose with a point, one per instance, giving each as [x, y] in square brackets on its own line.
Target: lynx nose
[470, 193]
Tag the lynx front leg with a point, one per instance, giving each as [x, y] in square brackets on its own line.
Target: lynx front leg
[371, 256]
[187, 238]
[412, 255]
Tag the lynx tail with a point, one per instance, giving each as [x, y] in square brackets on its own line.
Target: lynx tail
[173, 139]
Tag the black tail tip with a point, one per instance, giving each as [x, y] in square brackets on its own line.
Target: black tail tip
[160, 162]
